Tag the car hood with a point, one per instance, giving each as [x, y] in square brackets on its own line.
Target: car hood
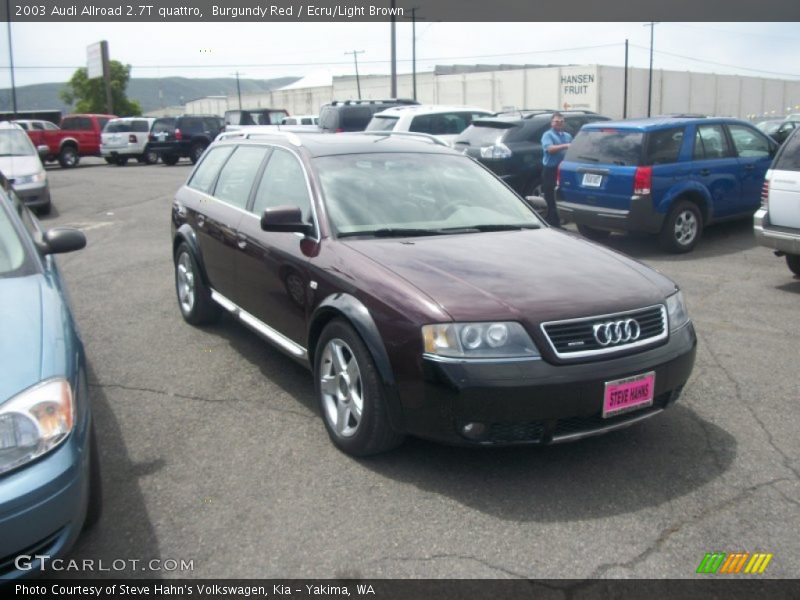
[529, 276]
[37, 340]
[19, 166]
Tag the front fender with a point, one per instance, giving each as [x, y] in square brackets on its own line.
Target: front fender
[358, 315]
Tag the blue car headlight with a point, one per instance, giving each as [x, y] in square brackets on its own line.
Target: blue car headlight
[676, 312]
[478, 340]
[34, 422]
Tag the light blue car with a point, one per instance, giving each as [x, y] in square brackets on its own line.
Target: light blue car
[49, 470]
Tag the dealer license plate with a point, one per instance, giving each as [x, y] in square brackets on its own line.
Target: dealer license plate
[592, 180]
[631, 393]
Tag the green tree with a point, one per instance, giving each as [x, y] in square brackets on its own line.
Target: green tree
[89, 95]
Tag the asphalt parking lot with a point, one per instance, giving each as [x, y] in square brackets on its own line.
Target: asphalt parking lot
[213, 450]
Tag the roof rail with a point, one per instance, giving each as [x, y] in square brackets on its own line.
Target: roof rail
[384, 101]
[290, 136]
[410, 134]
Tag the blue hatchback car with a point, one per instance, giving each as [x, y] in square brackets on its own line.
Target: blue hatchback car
[669, 176]
[49, 470]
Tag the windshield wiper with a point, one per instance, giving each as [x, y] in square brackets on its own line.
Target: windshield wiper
[505, 226]
[393, 232]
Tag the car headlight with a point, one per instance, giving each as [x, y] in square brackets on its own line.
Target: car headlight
[676, 312]
[478, 340]
[34, 422]
[35, 178]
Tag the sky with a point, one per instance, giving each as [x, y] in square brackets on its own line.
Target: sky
[42, 53]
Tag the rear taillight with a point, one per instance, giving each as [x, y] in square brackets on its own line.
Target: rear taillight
[496, 152]
[765, 194]
[131, 139]
[339, 130]
[643, 181]
[558, 175]
[178, 135]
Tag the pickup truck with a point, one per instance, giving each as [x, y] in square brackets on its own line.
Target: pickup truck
[78, 136]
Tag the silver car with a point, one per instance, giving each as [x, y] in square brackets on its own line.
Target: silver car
[22, 166]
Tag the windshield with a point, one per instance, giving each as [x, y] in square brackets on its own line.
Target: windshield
[15, 142]
[416, 194]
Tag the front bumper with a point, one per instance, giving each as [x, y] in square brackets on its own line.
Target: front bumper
[641, 216]
[34, 194]
[43, 507]
[783, 239]
[534, 401]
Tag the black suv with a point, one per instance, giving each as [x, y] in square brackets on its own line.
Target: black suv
[185, 136]
[510, 144]
[354, 115]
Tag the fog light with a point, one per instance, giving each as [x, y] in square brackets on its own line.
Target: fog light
[473, 431]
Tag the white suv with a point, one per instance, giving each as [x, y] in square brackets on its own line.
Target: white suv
[777, 222]
[127, 138]
[444, 122]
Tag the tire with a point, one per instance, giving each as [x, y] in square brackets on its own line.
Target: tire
[682, 228]
[44, 210]
[122, 161]
[169, 159]
[532, 188]
[793, 262]
[109, 160]
[149, 157]
[596, 235]
[94, 508]
[194, 297]
[68, 157]
[340, 382]
[196, 152]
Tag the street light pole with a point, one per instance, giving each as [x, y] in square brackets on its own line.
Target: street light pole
[414, 51]
[394, 53]
[238, 90]
[11, 62]
[355, 54]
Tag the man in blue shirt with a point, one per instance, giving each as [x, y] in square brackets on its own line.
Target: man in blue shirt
[555, 142]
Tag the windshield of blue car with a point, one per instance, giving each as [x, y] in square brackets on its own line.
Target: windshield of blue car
[12, 251]
[15, 142]
[422, 194]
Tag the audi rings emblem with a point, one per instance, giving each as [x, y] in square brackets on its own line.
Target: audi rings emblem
[616, 332]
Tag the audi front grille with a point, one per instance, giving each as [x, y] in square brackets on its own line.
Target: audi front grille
[607, 334]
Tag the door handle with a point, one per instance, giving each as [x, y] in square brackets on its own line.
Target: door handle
[749, 167]
[705, 172]
[241, 241]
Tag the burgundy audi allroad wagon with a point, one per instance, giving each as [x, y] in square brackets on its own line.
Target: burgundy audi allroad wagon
[425, 296]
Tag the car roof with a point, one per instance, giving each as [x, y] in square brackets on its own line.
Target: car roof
[118, 119]
[666, 122]
[10, 125]
[327, 144]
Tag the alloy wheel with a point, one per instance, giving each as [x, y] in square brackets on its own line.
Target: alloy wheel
[341, 388]
[185, 273]
[685, 228]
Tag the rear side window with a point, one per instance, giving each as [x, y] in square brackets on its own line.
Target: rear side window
[191, 125]
[140, 126]
[207, 170]
[78, 123]
[283, 184]
[749, 142]
[664, 146]
[164, 126]
[710, 143]
[441, 124]
[788, 158]
[327, 117]
[607, 146]
[237, 176]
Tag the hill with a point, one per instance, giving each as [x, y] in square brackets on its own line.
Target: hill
[151, 93]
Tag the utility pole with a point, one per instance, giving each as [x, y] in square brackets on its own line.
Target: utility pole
[11, 62]
[652, 26]
[355, 54]
[107, 76]
[394, 53]
[238, 90]
[414, 10]
[625, 90]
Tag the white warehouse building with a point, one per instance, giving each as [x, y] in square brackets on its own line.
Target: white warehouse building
[591, 87]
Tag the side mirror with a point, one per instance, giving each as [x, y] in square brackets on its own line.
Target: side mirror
[62, 239]
[43, 151]
[285, 218]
